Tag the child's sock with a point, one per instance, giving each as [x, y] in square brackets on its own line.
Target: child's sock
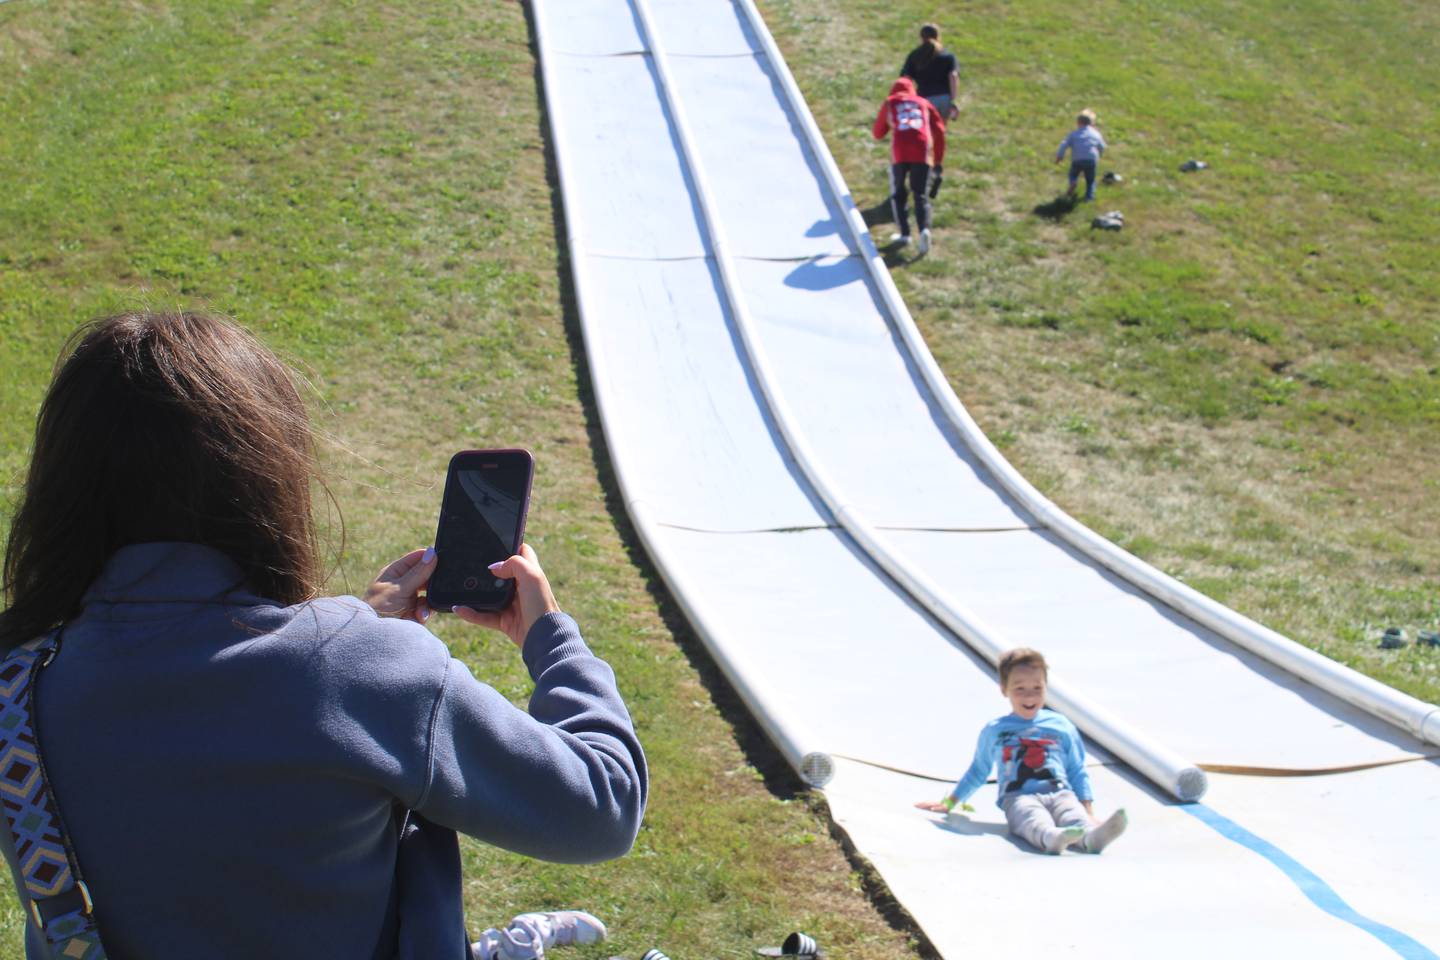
[1064, 837]
[1102, 836]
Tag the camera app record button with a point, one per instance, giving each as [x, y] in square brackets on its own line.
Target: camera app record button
[471, 583]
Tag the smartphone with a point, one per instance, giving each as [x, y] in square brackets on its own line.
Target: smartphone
[482, 521]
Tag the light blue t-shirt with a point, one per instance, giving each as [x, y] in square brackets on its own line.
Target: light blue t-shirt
[1042, 755]
[1084, 143]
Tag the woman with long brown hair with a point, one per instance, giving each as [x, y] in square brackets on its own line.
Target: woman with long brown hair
[237, 757]
[935, 71]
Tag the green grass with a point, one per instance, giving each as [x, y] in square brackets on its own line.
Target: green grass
[1256, 358]
[366, 186]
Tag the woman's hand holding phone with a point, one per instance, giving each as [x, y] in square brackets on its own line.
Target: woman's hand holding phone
[396, 590]
[532, 600]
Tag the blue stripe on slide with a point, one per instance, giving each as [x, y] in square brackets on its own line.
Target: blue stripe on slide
[1318, 891]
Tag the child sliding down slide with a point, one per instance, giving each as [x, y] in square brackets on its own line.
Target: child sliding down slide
[1041, 784]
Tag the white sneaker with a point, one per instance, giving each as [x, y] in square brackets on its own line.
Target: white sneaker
[924, 247]
[528, 935]
[900, 239]
[566, 927]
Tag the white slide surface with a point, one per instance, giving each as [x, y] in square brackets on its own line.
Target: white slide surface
[855, 555]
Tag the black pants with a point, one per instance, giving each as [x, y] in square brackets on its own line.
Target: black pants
[918, 175]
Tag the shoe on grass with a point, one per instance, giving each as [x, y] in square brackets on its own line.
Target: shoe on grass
[900, 239]
[924, 246]
[565, 927]
[797, 944]
[529, 935]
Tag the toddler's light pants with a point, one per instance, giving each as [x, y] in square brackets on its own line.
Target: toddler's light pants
[1037, 817]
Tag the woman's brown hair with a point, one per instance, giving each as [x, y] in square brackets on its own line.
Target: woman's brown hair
[929, 44]
[162, 426]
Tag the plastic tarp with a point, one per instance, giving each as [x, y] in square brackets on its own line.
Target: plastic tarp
[853, 556]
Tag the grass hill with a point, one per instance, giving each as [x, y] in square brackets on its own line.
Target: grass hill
[366, 186]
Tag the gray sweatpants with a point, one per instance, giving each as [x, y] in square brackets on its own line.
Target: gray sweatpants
[1037, 817]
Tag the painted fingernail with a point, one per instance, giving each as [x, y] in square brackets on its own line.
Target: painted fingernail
[496, 565]
[424, 615]
[429, 555]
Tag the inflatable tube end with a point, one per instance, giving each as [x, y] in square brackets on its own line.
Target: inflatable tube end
[1191, 784]
[817, 769]
[1430, 728]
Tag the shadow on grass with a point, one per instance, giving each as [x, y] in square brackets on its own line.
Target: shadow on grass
[1057, 209]
[880, 214]
[894, 255]
[780, 780]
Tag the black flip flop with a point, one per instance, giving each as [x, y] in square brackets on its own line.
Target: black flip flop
[795, 945]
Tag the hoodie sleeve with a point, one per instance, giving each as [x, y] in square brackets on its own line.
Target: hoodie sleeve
[882, 122]
[564, 781]
[1064, 145]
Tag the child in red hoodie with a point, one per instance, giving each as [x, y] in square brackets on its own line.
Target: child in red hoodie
[917, 145]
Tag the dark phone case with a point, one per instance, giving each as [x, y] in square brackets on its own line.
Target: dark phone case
[481, 599]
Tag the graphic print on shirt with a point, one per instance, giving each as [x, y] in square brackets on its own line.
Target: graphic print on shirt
[1028, 755]
[909, 115]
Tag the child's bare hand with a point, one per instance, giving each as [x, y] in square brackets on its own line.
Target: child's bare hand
[935, 806]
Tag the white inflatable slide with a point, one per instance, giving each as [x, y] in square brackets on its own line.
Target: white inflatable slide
[856, 555]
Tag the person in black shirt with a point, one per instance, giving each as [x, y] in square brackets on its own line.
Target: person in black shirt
[936, 73]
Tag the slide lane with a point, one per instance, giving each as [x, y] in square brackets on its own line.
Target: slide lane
[1181, 887]
[831, 655]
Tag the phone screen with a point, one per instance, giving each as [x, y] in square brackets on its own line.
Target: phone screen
[482, 521]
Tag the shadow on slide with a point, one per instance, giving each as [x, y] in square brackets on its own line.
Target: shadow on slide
[963, 827]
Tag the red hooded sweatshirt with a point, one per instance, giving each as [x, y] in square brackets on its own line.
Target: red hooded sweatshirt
[919, 128]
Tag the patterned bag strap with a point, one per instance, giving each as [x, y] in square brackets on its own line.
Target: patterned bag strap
[60, 904]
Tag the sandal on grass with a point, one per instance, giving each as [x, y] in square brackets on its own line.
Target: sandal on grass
[795, 945]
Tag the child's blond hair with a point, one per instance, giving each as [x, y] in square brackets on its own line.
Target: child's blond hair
[1021, 657]
[1086, 117]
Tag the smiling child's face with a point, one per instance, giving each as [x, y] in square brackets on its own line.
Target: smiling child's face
[1026, 691]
